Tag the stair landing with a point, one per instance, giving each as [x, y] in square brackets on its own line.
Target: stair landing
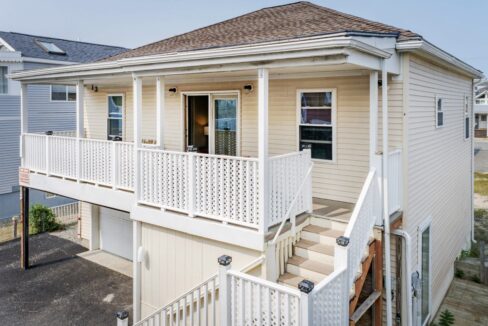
[332, 209]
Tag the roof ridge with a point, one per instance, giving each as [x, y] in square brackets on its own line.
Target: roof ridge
[67, 40]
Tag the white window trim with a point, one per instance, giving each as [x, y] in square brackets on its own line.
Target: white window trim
[211, 96]
[467, 115]
[62, 101]
[333, 120]
[437, 98]
[8, 81]
[123, 114]
[422, 227]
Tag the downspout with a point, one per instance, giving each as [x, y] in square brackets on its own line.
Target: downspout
[472, 162]
[408, 268]
[386, 215]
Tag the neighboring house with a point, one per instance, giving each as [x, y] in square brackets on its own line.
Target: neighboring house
[267, 138]
[481, 110]
[52, 107]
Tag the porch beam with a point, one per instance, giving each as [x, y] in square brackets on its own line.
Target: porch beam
[160, 111]
[373, 115]
[263, 92]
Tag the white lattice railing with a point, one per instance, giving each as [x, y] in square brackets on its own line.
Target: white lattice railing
[96, 161]
[123, 167]
[287, 172]
[62, 157]
[395, 181]
[196, 307]
[33, 152]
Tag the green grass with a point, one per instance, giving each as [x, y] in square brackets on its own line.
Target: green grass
[481, 183]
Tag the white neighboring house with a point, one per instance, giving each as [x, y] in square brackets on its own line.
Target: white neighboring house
[481, 110]
[268, 141]
[52, 108]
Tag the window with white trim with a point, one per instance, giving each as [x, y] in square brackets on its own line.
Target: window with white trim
[115, 117]
[3, 80]
[63, 93]
[439, 112]
[467, 128]
[316, 122]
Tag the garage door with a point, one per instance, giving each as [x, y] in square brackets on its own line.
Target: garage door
[116, 232]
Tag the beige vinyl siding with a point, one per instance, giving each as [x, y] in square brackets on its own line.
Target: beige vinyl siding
[341, 180]
[176, 262]
[439, 167]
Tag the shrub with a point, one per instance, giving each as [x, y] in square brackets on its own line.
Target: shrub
[42, 219]
[476, 279]
[446, 318]
[459, 273]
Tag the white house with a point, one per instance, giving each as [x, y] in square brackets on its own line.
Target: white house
[293, 143]
[481, 110]
[51, 108]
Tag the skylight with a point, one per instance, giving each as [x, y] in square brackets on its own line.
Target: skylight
[50, 47]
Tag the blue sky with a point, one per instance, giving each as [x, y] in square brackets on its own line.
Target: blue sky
[459, 27]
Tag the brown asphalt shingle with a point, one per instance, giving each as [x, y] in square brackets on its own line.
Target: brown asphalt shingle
[300, 19]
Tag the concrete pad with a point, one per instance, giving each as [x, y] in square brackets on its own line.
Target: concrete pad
[108, 260]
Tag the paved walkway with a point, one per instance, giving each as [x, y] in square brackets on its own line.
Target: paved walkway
[60, 288]
[468, 301]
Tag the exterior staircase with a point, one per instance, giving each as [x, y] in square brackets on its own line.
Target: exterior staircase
[313, 253]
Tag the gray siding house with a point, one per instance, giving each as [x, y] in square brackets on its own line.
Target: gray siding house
[52, 107]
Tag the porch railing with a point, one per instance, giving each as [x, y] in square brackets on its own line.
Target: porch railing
[223, 188]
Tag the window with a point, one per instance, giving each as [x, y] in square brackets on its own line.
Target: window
[50, 47]
[114, 119]
[425, 273]
[439, 112]
[3, 80]
[63, 93]
[467, 130]
[316, 122]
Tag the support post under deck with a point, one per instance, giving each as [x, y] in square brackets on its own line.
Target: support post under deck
[24, 235]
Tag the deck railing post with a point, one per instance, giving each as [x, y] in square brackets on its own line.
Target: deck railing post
[47, 154]
[264, 185]
[191, 181]
[114, 165]
[137, 95]
[225, 290]
[306, 304]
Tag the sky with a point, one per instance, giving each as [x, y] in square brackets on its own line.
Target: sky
[460, 27]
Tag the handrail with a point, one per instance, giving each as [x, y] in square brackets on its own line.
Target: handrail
[263, 282]
[292, 204]
[255, 263]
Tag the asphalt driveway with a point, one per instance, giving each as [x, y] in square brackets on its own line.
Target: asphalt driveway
[60, 288]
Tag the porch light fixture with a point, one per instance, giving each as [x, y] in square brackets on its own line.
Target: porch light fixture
[172, 90]
[94, 88]
[248, 88]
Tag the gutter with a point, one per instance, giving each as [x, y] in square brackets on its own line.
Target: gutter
[218, 56]
[424, 47]
[408, 268]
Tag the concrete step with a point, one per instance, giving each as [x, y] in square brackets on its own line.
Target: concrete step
[320, 234]
[314, 251]
[329, 223]
[307, 268]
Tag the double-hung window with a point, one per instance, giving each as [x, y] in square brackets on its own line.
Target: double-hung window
[115, 116]
[439, 112]
[3, 80]
[63, 93]
[317, 122]
[467, 131]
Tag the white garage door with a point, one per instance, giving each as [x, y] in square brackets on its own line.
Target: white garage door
[116, 232]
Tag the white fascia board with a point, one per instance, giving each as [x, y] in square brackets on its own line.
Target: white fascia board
[425, 48]
[222, 56]
[5, 44]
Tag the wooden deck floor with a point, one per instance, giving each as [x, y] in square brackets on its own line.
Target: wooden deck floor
[332, 209]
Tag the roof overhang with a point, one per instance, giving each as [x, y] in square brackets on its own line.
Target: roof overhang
[426, 49]
[336, 49]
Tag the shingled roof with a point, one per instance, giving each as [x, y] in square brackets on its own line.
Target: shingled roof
[295, 20]
[75, 51]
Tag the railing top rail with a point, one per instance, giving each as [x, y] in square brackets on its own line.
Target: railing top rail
[329, 279]
[277, 157]
[360, 202]
[227, 157]
[274, 286]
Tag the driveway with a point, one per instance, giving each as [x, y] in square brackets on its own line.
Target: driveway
[481, 156]
[60, 288]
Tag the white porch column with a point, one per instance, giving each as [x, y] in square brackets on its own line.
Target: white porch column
[373, 116]
[386, 215]
[160, 110]
[263, 89]
[136, 270]
[80, 124]
[24, 118]
[137, 95]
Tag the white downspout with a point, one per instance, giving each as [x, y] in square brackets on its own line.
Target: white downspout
[386, 215]
[408, 272]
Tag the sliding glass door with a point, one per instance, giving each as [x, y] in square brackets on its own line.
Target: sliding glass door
[225, 126]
